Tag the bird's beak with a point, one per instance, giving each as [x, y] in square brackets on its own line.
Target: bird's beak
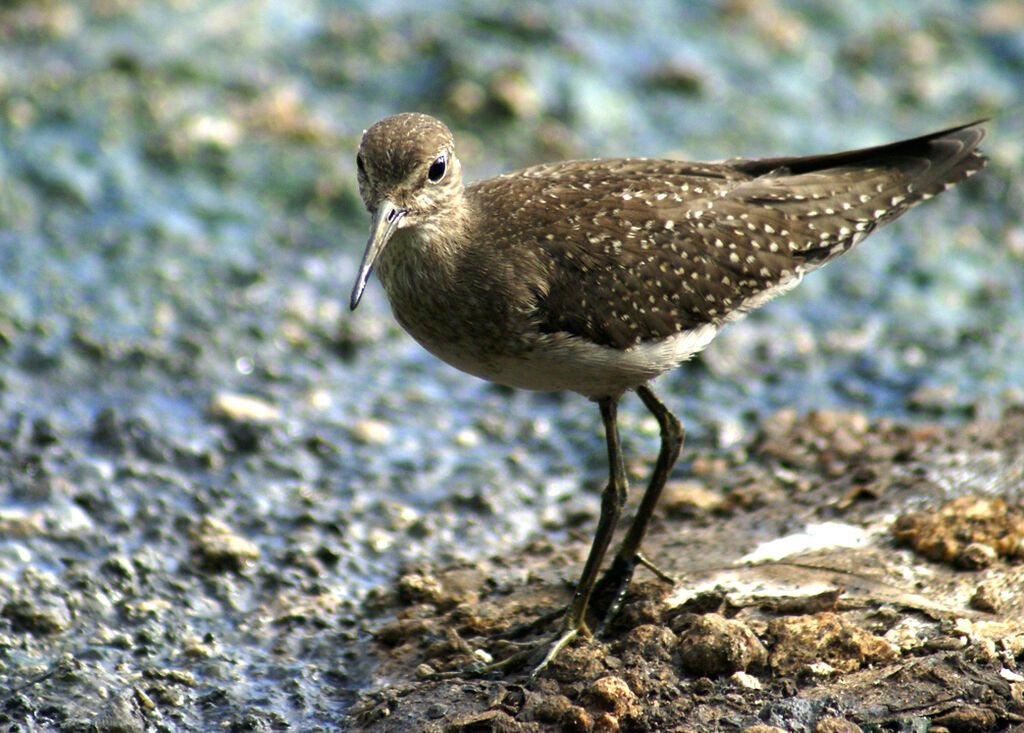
[385, 222]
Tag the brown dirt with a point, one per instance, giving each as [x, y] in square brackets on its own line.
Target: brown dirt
[868, 635]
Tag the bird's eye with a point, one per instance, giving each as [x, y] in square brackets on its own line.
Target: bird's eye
[437, 169]
[360, 165]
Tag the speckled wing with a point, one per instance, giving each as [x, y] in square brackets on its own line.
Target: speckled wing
[643, 249]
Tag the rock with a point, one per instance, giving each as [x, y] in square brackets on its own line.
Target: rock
[836, 725]
[371, 432]
[45, 614]
[969, 532]
[606, 723]
[985, 598]
[216, 548]
[610, 694]
[121, 715]
[647, 642]
[746, 681]
[689, 498]
[714, 645]
[576, 720]
[975, 556]
[966, 719]
[798, 642]
[419, 588]
[242, 408]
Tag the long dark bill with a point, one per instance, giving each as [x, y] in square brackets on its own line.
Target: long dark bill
[385, 222]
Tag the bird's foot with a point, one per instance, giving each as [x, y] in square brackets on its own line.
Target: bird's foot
[537, 654]
[605, 602]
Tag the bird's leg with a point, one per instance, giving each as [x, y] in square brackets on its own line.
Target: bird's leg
[610, 590]
[612, 500]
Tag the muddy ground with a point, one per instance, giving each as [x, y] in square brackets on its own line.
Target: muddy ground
[894, 603]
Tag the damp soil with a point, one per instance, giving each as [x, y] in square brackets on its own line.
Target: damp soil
[834, 574]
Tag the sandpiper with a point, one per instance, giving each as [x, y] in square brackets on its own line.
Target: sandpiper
[598, 275]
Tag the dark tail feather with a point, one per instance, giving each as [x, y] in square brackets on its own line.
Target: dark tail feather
[934, 162]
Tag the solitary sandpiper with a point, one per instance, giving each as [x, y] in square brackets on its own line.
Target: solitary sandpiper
[598, 275]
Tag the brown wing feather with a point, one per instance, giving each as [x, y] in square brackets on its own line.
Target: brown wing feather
[627, 251]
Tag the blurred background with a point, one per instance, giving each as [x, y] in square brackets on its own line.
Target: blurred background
[180, 224]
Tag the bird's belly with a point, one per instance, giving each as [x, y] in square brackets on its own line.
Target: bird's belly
[564, 362]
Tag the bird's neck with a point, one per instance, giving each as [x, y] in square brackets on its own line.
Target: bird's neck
[422, 261]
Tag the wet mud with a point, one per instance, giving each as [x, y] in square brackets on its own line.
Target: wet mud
[835, 574]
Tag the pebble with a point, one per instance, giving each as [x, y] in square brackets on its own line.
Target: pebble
[715, 645]
[985, 598]
[242, 408]
[970, 532]
[747, 681]
[686, 498]
[836, 725]
[801, 642]
[121, 715]
[610, 694]
[45, 613]
[371, 432]
[217, 548]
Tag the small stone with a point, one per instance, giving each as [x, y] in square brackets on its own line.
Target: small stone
[197, 648]
[985, 599]
[983, 652]
[610, 694]
[419, 588]
[975, 556]
[320, 399]
[836, 725]
[216, 548]
[1010, 675]
[746, 681]
[966, 718]
[48, 614]
[121, 715]
[380, 540]
[242, 408]
[687, 498]
[606, 723]
[647, 643]
[715, 645]
[436, 710]
[969, 531]
[820, 669]
[576, 720]
[934, 399]
[549, 708]
[21, 523]
[467, 438]
[799, 642]
[371, 432]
